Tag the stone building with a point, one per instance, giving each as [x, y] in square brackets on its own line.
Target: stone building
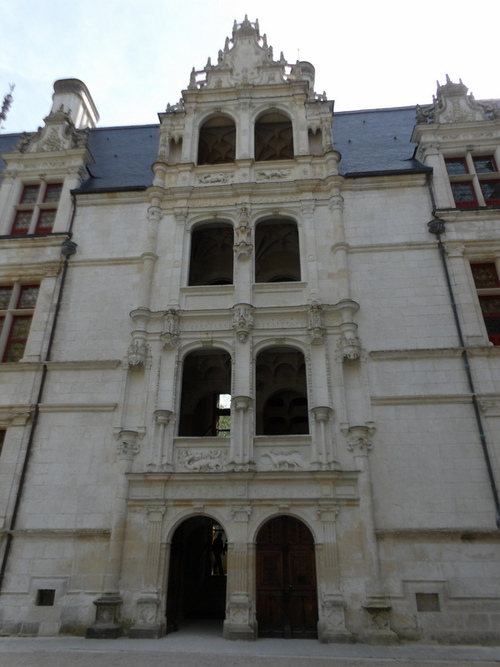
[241, 325]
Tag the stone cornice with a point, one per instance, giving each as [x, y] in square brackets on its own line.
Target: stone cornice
[436, 534]
[443, 352]
[59, 533]
[434, 399]
[77, 407]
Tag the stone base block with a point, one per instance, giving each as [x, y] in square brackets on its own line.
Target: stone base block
[140, 631]
[103, 631]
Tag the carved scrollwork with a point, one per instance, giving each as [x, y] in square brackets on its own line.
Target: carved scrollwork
[170, 334]
[137, 353]
[316, 331]
[242, 321]
[349, 346]
[128, 444]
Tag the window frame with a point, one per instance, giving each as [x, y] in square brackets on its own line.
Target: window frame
[485, 294]
[12, 313]
[37, 208]
[473, 178]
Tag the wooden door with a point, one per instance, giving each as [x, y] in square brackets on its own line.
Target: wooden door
[287, 604]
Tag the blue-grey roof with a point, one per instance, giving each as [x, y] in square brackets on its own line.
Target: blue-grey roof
[370, 142]
[376, 140]
[122, 157]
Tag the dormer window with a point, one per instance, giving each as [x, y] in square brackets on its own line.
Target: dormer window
[273, 137]
[37, 208]
[474, 180]
[217, 144]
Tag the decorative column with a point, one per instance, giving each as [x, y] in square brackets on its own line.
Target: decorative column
[150, 623]
[241, 452]
[307, 209]
[240, 611]
[376, 604]
[339, 248]
[107, 624]
[331, 626]
[162, 458]
[243, 251]
[323, 446]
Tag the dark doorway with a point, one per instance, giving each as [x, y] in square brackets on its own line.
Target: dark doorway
[196, 582]
[287, 604]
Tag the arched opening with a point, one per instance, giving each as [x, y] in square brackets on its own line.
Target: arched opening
[217, 143]
[287, 599]
[273, 137]
[281, 392]
[206, 400]
[211, 261]
[277, 254]
[196, 581]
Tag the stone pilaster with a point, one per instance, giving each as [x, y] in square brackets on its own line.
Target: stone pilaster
[331, 626]
[107, 624]
[376, 604]
[240, 620]
[150, 622]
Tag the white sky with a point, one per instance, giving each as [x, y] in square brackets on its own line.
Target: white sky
[136, 55]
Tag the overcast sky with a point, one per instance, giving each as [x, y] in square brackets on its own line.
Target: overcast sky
[135, 56]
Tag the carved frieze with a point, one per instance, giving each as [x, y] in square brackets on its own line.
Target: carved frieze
[283, 460]
[211, 460]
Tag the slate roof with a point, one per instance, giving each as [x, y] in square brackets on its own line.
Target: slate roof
[376, 141]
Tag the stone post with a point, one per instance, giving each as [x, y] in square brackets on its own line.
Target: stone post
[107, 624]
[150, 623]
[240, 611]
[331, 625]
[376, 604]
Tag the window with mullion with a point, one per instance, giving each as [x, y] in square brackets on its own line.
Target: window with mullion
[17, 305]
[33, 216]
[487, 283]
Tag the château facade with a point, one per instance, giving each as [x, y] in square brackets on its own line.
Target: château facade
[259, 321]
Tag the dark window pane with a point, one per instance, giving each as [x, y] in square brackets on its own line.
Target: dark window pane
[15, 351]
[463, 194]
[2, 439]
[491, 191]
[485, 275]
[28, 296]
[5, 294]
[45, 221]
[20, 328]
[456, 166]
[30, 194]
[53, 192]
[22, 222]
[490, 305]
[485, 165]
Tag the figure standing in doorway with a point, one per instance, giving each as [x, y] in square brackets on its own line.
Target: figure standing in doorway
[218, 550]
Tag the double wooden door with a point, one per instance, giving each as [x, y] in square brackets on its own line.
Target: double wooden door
[287, 604]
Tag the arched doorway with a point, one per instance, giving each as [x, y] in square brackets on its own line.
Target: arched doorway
[287, 600]
[197, 582]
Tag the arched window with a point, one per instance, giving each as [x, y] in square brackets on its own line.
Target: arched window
[281, 399]
[211, 260]
[277, 257]
[206, 400]
[217, 143]
[273, 137]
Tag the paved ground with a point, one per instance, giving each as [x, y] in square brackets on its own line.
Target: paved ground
[206, 648]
